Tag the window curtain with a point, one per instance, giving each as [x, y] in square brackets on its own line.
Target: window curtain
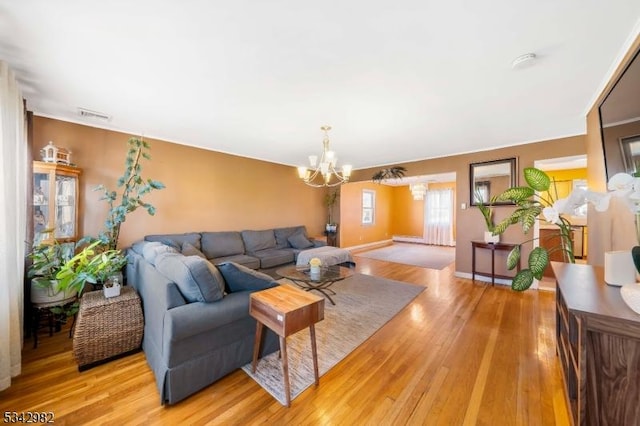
[439, 217]
[13, 190]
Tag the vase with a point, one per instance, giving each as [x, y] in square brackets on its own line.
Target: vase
[490, 238]
[619, 268]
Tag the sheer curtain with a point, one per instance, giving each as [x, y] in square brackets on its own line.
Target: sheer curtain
[438, 227]
[13, 193]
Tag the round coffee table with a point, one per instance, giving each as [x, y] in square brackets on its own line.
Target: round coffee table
[303, 278]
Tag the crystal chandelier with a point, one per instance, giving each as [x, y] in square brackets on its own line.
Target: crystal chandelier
[320, 174]
[418, 190]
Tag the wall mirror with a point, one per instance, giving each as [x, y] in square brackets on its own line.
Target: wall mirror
[620, 122]
[491, 178]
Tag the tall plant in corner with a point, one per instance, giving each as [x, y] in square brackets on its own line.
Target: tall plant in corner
[134, 188]
[530, 203]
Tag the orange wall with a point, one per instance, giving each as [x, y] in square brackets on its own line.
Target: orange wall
[352, 231]
[205, 190]
[407, 214]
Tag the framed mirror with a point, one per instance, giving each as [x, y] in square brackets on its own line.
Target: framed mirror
[491, 178]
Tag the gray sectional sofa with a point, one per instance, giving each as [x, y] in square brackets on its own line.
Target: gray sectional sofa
[262, 249]
[197, 326]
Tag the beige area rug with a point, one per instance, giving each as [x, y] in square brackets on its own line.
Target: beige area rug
[363, 304]
[425, 256]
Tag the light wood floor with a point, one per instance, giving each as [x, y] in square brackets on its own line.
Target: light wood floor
[460, 353]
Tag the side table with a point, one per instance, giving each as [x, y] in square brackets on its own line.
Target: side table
[493, 247]
[107, 328]
[286, 310]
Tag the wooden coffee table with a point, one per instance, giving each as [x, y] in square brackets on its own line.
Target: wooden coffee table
[286, 310]
[302, 277]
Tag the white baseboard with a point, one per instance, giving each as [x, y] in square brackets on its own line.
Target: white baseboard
[408, 239]
[370, 245]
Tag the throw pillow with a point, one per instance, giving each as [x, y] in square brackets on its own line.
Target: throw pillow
[299, 241]
[151, 250]
[197, 279]
[240, 278]
[189, 249]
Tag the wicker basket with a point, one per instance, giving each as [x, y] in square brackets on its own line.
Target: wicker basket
[106, 328]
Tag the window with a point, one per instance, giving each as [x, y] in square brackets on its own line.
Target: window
[368, 207]
[631, 153]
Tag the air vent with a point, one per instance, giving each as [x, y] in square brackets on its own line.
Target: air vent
[82, 112]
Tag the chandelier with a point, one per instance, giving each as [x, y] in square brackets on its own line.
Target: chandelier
[321, 173]
[418, 190]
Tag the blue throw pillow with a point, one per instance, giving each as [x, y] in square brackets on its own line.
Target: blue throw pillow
[299, 241]
[197, 279]
[241, 278]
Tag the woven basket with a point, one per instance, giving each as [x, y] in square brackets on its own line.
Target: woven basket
[106, 328]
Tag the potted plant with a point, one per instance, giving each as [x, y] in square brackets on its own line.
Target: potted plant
[330, 200]
[46, 261]
[487, 214]
[101, 262]
[93, 265]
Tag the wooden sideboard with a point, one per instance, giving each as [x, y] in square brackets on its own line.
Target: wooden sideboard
[598, 343]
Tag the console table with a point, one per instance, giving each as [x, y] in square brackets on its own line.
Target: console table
[598, 344]
[493, 247]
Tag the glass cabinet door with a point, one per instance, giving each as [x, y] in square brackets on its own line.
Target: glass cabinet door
[55, 202]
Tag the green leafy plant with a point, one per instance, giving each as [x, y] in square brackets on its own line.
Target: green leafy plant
[47, 260]
[134, 189]
[90, 265]
[486, 210]
[389, 173]
[330, 200]
[530, 203]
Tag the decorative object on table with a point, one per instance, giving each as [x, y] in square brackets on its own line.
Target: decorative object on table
[321, 173]
[314, 266]
[619, 268]
[52, 154]
[487, 213]
[630, 293]
[330, 199]
[389, 173]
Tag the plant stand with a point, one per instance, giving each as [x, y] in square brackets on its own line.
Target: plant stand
[107, 328]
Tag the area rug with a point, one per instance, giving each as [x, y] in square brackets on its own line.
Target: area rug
[425, 256]
[363, 304]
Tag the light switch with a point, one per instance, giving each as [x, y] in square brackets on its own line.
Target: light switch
[463, 206]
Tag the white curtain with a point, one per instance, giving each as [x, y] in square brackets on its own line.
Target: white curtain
[438, 224]
[13, 193]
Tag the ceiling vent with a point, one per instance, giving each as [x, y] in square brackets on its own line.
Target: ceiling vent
[87, 113]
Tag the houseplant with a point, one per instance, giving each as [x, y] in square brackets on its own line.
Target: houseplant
[100, 260]
[47, 260]
[330, 200]
[529, 205]
[487, 213]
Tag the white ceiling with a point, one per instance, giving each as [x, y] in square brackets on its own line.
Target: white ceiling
[398, 81]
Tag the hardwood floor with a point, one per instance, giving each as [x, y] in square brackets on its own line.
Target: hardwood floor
[461, 353]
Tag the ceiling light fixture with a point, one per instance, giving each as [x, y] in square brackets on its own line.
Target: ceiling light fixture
[326, 168]
[523, 60]
[418, 190]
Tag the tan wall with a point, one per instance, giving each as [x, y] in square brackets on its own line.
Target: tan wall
[613, 229]
[352, 231]
[469, 222]
[205, 190]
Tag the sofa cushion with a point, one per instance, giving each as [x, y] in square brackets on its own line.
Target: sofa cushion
[243, 259]
[197, 279]
[152, 249]
[274, 257]
[192, 238]
[241, 278]
[299, 241]
[258, 240]
[220, 244]
[189, 250]
[282, 235]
